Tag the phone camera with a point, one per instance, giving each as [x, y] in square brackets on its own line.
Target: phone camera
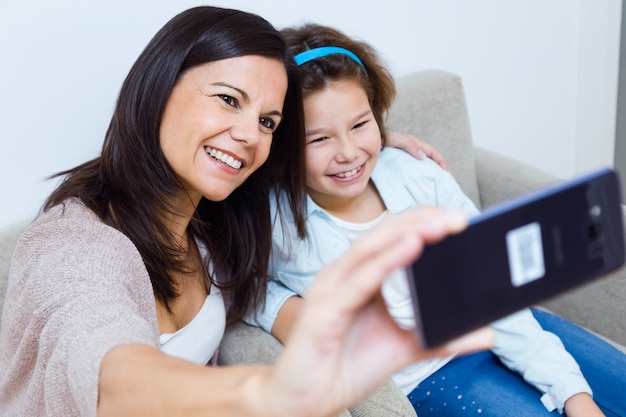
[594, 231]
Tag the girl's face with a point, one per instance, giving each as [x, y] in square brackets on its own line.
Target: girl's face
[342, 142]
[218, 123]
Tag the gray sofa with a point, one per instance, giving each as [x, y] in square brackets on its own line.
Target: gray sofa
[431, 104]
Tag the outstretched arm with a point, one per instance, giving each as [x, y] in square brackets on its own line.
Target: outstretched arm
[342, 345]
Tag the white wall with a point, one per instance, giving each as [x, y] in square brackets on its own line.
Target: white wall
[540, 76]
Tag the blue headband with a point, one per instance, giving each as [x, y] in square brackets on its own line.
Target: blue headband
[311, 54]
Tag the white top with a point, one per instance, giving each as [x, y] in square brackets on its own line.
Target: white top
[398, 299]
[199, 339]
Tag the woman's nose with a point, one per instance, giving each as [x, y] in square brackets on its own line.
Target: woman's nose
[246, 129]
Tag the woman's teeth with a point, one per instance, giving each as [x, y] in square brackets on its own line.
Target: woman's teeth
[222, 157]
[348, 174]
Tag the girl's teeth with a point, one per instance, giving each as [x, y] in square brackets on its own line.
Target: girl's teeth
[348, 174]
[227, 159]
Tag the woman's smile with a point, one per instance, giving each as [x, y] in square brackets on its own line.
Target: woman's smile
[224, 157]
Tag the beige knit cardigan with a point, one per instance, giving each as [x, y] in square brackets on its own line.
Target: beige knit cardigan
[77, 288]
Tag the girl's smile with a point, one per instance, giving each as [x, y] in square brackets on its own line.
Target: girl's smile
[350, 175]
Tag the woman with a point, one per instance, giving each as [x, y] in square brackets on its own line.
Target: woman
[119, 291]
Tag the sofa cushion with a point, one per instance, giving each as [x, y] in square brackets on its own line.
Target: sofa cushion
[431, 105]
[388, 400]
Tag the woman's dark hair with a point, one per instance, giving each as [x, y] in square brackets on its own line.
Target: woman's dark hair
[317, 73]
[131, 186]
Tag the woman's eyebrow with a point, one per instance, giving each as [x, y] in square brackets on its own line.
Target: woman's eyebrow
[244, 95]
[275, 113]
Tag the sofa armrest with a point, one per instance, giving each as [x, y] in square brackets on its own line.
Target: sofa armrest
[501, 178]
[599, 306]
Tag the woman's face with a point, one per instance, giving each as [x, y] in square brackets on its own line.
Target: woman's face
[218, 123]
[342, 142]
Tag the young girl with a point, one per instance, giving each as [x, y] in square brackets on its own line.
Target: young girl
[352, 186]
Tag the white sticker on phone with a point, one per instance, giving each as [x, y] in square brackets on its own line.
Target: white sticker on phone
[526, 261]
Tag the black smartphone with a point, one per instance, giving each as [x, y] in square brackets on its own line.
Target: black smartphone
[517, 254]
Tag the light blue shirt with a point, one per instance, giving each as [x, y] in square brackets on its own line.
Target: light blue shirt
[405, 182]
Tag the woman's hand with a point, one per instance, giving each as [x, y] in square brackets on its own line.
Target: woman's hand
[344, 343]
[416, 147]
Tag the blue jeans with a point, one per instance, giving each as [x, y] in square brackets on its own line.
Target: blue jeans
[480, 384]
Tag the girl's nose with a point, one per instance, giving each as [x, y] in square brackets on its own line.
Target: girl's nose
[347, 149]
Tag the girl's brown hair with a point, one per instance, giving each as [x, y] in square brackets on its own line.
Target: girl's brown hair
[316, 74]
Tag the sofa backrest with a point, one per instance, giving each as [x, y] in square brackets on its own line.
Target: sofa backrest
[431, 105]
[8, 239]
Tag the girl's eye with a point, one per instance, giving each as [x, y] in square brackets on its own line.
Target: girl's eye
[318, 140]
[231, 101]
[268, 124]
[360, 124]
